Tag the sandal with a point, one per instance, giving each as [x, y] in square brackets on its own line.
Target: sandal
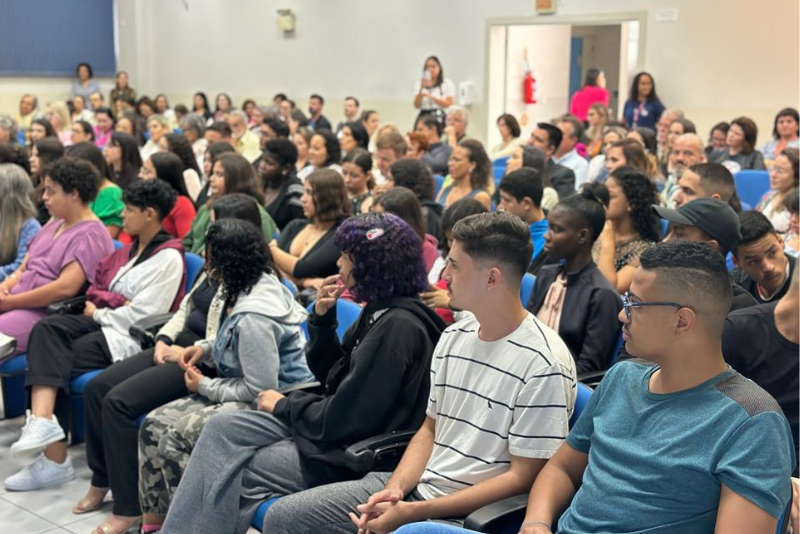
[107, 528]
[87, 505]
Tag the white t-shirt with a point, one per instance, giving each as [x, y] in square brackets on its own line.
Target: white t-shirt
[494, 399]
[441, 91]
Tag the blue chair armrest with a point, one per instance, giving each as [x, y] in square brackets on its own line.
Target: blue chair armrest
[73, 306]
[592, 379]
[501, 516]
[312, 387]
[145, 330]
[378, 452]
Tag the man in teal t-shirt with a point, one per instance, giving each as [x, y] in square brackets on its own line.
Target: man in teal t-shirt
[678, 441]
[521, 194]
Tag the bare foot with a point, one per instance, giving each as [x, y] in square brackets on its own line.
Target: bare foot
[91, 501]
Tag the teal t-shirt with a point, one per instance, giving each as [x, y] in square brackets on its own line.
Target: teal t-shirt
[657, 462]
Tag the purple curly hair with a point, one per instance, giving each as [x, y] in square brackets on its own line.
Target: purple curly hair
[387, 256]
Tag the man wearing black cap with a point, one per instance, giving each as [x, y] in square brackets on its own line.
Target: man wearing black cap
[708, 220]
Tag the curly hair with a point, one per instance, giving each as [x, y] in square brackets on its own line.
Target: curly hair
[481, 177]
[642, 196]
[237, 256]
[386, 264]
[155, 194]
[282, 151]
[179, 145]
[76, 175]
[414, 175]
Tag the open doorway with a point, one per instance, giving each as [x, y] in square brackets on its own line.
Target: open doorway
[557, 53]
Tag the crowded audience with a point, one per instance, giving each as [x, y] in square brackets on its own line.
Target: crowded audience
[434, 287]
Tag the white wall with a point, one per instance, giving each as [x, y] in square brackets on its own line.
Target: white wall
[720, 59]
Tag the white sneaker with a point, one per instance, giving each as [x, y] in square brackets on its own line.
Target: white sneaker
[37, 434]
[42, 473]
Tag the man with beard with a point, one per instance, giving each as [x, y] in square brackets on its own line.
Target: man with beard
[687, 151]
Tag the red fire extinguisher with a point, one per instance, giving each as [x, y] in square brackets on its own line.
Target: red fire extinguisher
[529, 83]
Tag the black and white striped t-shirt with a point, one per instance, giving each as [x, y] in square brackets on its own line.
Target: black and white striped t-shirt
[491, 400]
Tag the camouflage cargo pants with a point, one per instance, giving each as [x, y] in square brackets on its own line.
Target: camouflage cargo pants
[166, 440]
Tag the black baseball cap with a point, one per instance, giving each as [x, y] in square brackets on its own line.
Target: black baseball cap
[712, 216]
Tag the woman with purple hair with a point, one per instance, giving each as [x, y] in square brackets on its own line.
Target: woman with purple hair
[375, 381]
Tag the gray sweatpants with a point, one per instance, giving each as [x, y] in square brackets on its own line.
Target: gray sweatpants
[240, 460]
[326, 508]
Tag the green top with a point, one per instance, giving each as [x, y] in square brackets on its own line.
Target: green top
[108, 205]
[195, 240]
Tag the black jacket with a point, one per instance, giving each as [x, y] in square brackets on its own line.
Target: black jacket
[377, 380]
[432, 211]
[287, 206]
[589, 324]
[562, 179]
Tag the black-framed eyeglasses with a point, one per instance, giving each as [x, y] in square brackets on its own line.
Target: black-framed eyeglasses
[627, 304]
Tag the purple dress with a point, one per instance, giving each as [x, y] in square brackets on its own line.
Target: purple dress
[87, 242]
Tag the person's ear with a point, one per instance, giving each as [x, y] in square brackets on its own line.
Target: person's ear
[494, 277]
[583, 236]
[716, 196]
[527, 203]
[151, 214]
[715, 245]
[686, 322]
[735, 259]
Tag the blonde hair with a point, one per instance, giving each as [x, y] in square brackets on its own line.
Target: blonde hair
[16, 207]
[61, 111]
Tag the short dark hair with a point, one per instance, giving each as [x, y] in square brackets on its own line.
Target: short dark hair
[318, 97]
[695, 271]
[354, 99]
[414, 175]
[88, 67]
[237, 206]
[280, 128]
[223, 128]
[283, 151]
[155, 194]
[237, 254]
[86, 127]
[105, 111]
[280, 96]
[588, 207]
[687, 125]
[430, 121]
[367, 114]
[754, 225]
[499, 237]
[554, 134]
[785, 112]
[85, 150]
[76, 175]
[332, 147]
[511, 124]
[169, 168]
[715, 178]
[524, 182]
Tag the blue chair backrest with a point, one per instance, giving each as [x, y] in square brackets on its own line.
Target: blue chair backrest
[582, 395]
[499, 168]
[289, 285]
[118, 245]
[347, 313]
[751, 185]
[526, 289]
[194, 265]
[438, 182]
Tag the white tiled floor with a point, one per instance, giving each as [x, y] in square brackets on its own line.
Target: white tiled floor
[47, 510]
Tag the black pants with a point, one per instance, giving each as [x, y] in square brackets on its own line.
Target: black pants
[60, 348]
[114, 399]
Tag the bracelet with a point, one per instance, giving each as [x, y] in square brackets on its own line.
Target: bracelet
[531, 523]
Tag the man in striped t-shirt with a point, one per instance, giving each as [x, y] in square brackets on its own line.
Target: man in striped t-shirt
[502, 392]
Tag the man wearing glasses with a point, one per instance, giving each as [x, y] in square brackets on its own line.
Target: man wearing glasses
[677, 441]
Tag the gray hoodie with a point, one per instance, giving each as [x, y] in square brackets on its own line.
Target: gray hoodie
[259, 345]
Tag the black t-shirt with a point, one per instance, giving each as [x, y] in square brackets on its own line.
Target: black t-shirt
[740, 277]
[201, 300]
[753, 346]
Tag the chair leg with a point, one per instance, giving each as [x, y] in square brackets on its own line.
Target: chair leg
[13, 395]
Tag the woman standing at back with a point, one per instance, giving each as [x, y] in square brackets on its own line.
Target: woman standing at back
[433, 93]
[643, 107]
[593, 92]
